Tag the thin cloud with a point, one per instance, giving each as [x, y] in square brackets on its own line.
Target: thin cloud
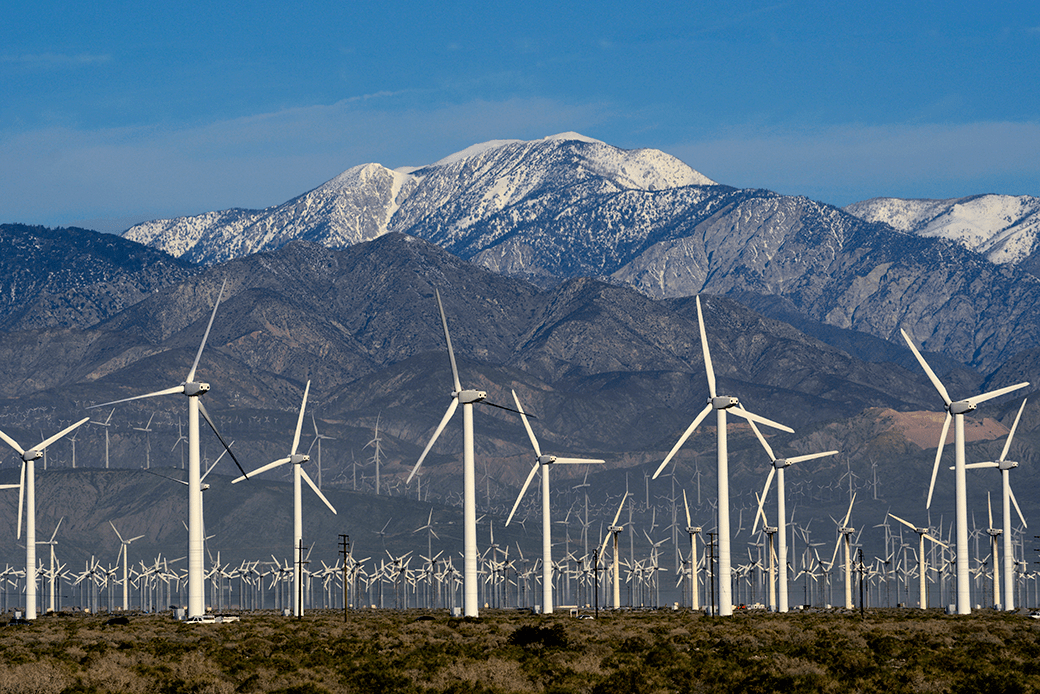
[55, 60]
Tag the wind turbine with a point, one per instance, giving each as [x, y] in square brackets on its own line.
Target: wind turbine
[694, 531]
[845, 533]
[376, 442]
[721, 405]
[27, 493]
[777, 468]
[318, 438]
[124, 549]
[922, 563]
[466, 398]
[107, 423]
[299, 474]
[614, 530]
[1005, 466]
[147, 442]
[956, 410]
[52, 574]
[543, 462]
[193, 390]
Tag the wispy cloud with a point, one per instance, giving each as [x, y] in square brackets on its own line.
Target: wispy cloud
[55, 60]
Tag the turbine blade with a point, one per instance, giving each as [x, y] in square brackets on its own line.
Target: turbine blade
[909, 525]
[750, 416]
[263, 468]
[114, 530]
[973, 466]
[578, 461]
[845, 523]
[447, 339]
[689, 524]
[762, 440]
[704, 348]
[762, 498]
[927, 369]
[12, 443]
[43, 444]
[620, 506]
[811, 456]
[55, 533]
[437, 432]
[938, 456]
[167, 391]
[997, 393]
[314, 487]
[1014, 501]
[213, 426]
[299, 420]
[527, 426]
[523, 490]
[1011, 434]
[202, 346]
[989, 508]
[938, 542]
[682, 439]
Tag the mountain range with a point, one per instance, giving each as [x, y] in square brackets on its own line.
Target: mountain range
[567, 207]
[567, 268]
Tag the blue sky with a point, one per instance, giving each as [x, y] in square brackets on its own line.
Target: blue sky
[113, 113]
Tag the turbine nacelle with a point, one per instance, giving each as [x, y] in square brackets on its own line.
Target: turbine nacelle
[299, 458]
[781, 463]
[467, 397]
[961, 407]
[193, 389]
[994, 532]
[1007, 464]
[723, 402]
[693, 530]
[546, 459]
[32, 454]
[616, 528]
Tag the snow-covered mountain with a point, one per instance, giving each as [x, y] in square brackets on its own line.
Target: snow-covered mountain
[1004, 228]
[568, 206]
[368, 200]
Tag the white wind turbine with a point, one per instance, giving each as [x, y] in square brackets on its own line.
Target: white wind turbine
[721, 405]
[147, 430]
[466, 398]
[543, 462]
[614, 529]
[107, 423]
[193, 390]
[299, 474]
[52, 574]
[27, 493]
[922, 564]
[845, 532]
[777, 468]
[124, 549]
[956, 410]
[1005, 466]
[693, 531]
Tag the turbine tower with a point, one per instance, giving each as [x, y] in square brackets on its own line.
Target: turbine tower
[466, 398]
[193, 390]
[1005, 466]
[956, 410]
[721, 405]
[777, 468]
[27, 494]
[299, 475]
[922, 563]
[543, 462]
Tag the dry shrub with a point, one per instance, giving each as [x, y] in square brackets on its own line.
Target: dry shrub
[494, 673]
[34, 678]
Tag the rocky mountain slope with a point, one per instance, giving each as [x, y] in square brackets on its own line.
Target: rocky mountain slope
[568, 207]
[1004, 228]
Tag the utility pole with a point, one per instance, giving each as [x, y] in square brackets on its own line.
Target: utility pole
[344, 549]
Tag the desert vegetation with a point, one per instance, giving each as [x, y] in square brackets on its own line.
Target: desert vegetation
[381, 652]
